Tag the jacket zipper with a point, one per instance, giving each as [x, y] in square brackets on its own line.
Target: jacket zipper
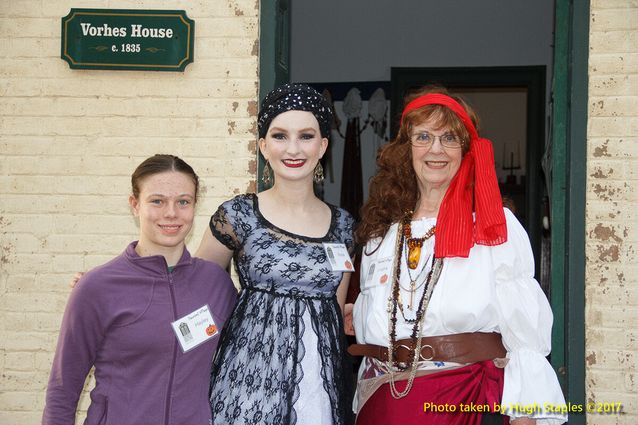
[172, 375]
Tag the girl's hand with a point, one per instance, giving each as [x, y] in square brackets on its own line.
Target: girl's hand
[75, 279]
[347, 319]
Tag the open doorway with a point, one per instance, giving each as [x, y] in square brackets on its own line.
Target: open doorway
[474, 48]
[359, 42]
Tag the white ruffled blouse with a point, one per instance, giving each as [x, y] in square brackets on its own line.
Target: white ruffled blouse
[493, 290]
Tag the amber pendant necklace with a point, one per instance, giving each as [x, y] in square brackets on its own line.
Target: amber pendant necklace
[414, 245]
[413, 281]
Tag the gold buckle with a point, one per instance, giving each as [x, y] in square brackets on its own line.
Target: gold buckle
[421, 353]
[403, 365]
[404, 346]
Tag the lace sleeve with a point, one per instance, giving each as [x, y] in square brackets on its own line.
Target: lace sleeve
[347, 230]
[221, 224]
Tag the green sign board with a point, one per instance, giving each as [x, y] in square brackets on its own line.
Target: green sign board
[156, 40]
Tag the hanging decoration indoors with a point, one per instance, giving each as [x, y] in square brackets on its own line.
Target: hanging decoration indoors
[351, 177]
[359, 129]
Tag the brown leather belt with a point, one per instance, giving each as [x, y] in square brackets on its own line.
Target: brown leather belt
[469, 347]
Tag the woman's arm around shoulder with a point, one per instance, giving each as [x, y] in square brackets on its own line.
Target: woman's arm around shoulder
[211, 249]
[221, 239]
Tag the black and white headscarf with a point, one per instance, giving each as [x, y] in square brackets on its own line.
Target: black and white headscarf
[295, 97]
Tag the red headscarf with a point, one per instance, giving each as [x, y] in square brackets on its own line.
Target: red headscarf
[474, 188]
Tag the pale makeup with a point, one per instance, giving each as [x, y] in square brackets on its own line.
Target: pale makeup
[293, 145]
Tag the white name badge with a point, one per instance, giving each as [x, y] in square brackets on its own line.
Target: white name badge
[379, 272]
[338, 257]
[195, 328]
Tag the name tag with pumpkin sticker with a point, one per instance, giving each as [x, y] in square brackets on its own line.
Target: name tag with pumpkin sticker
[338, 257]
[380, 272]
[195, 328]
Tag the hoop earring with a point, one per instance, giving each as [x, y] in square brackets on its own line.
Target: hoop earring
[266, 176]
[318, 175]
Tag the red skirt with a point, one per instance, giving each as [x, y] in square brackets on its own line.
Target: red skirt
[452, 397]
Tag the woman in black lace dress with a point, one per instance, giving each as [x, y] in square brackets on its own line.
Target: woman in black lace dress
[281, 356]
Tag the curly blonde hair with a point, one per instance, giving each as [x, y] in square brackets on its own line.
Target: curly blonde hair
[393, 190]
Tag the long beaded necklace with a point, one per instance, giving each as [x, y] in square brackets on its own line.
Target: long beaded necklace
[413, 254]
[393, 306]
[413, 281]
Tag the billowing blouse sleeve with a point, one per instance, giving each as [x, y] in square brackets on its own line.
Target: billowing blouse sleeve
[531, 386]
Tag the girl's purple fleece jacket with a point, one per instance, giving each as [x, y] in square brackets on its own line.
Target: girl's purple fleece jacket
[118, 319]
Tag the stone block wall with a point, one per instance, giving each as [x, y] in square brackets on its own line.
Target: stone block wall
[612, 210]
[69, 140]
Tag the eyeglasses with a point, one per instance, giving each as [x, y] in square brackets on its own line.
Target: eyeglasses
[424, 139]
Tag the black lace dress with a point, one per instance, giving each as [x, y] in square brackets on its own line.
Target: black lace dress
[281, 357]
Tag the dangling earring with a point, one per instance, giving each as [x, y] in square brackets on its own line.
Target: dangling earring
[318, 176]
[266, 177]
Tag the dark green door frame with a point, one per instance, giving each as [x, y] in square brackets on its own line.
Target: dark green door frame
[274, 54]
[569, 155]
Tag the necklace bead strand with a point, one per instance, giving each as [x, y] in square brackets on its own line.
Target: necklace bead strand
[394, 304]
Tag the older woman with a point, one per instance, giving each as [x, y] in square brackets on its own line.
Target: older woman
[450, 319]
